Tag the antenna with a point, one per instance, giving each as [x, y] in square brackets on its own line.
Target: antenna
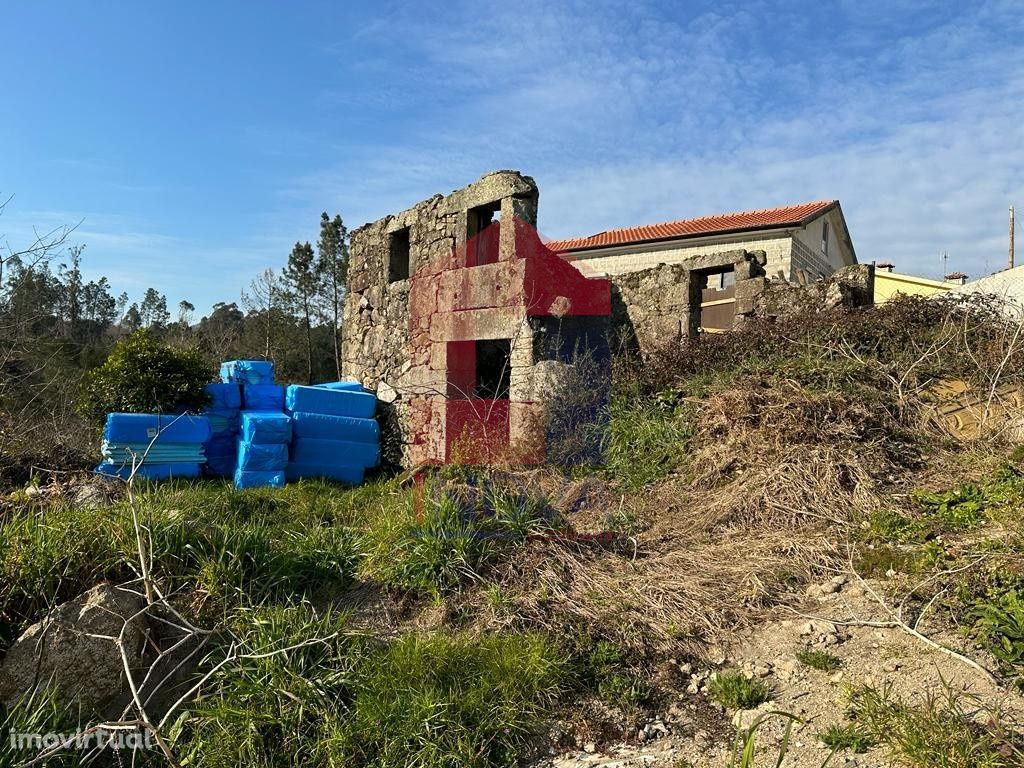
[1009, 258]
[945, 264]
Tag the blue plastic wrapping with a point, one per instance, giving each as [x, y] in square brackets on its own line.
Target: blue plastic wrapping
[245, 479]
[343, 385]
[322, 426]
[262, 457]
[335, 453]
[263, 397]
[247, 371]
[149, 471]
[223, 421]
[266, 427]
[157, 453]
[347, 475]
[166, 428]
[224, 396]
[333, 402]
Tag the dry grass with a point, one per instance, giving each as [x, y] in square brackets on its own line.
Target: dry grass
[775, 476]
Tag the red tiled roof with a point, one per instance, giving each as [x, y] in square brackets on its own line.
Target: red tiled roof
[768, 218]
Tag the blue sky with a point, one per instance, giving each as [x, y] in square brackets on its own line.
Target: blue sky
[197, 141]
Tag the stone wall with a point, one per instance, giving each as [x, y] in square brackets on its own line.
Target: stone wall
[661, 305]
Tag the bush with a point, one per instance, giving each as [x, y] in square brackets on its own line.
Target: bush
[141, 375]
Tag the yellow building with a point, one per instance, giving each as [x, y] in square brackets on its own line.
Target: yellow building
[889, 284]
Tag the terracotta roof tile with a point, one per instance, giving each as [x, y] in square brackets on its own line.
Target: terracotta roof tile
[768, 218]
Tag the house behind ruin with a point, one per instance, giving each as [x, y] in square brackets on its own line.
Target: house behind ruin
[801, 243]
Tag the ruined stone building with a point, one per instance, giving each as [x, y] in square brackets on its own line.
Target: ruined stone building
[458, 316]
[469, 328]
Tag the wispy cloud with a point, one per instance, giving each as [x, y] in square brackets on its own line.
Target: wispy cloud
[625, 115]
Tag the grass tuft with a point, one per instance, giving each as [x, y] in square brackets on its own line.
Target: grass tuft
[820, 660]
[846, 737]
[735, 690]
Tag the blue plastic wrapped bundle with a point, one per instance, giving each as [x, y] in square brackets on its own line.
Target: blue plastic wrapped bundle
[335, 453]
[164, 428]
[343, 385]
[341, 474]
[262, 457]
[152, 453]
[333, 402]
[224, 396]
[322, 426]
[223, 422]
[149, 471]
[263, 397]
[254, 479]
[247, 372]
[266, 427]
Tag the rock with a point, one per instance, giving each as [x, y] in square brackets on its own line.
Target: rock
[590, 747]
[86, 670]
[891, 666]
[32, 491]
[386, 393]
[91, 495]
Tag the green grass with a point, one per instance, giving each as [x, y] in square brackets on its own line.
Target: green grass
[438, 699]
[646, 440]
[451, 535]
[820, 660]
[942, 732]
[606, 670]
[231, 547]
[734, 690]
[846, 737]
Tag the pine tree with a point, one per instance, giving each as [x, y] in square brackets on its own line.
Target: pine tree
[302, 278]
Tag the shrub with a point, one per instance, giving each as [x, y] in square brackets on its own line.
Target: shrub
[999, 622]
[735, 690]
[141, 375]
[606, 670]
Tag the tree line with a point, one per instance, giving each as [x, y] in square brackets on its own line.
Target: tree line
[55, 324]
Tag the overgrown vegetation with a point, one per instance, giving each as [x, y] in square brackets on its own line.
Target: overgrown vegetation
[737, 469]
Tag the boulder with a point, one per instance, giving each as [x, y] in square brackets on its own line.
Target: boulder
[64, 648]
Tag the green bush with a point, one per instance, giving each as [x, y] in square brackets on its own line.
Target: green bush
[141, 375]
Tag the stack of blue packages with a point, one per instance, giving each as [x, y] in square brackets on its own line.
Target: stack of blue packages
[247, 372]
[224, 415]
[334, 434]
[263, 397]
[263, 449]
[156, 446]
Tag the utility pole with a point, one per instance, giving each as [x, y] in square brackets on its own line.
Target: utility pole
[1009, 259]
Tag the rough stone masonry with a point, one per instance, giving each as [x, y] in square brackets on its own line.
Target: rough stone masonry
[458, 316]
